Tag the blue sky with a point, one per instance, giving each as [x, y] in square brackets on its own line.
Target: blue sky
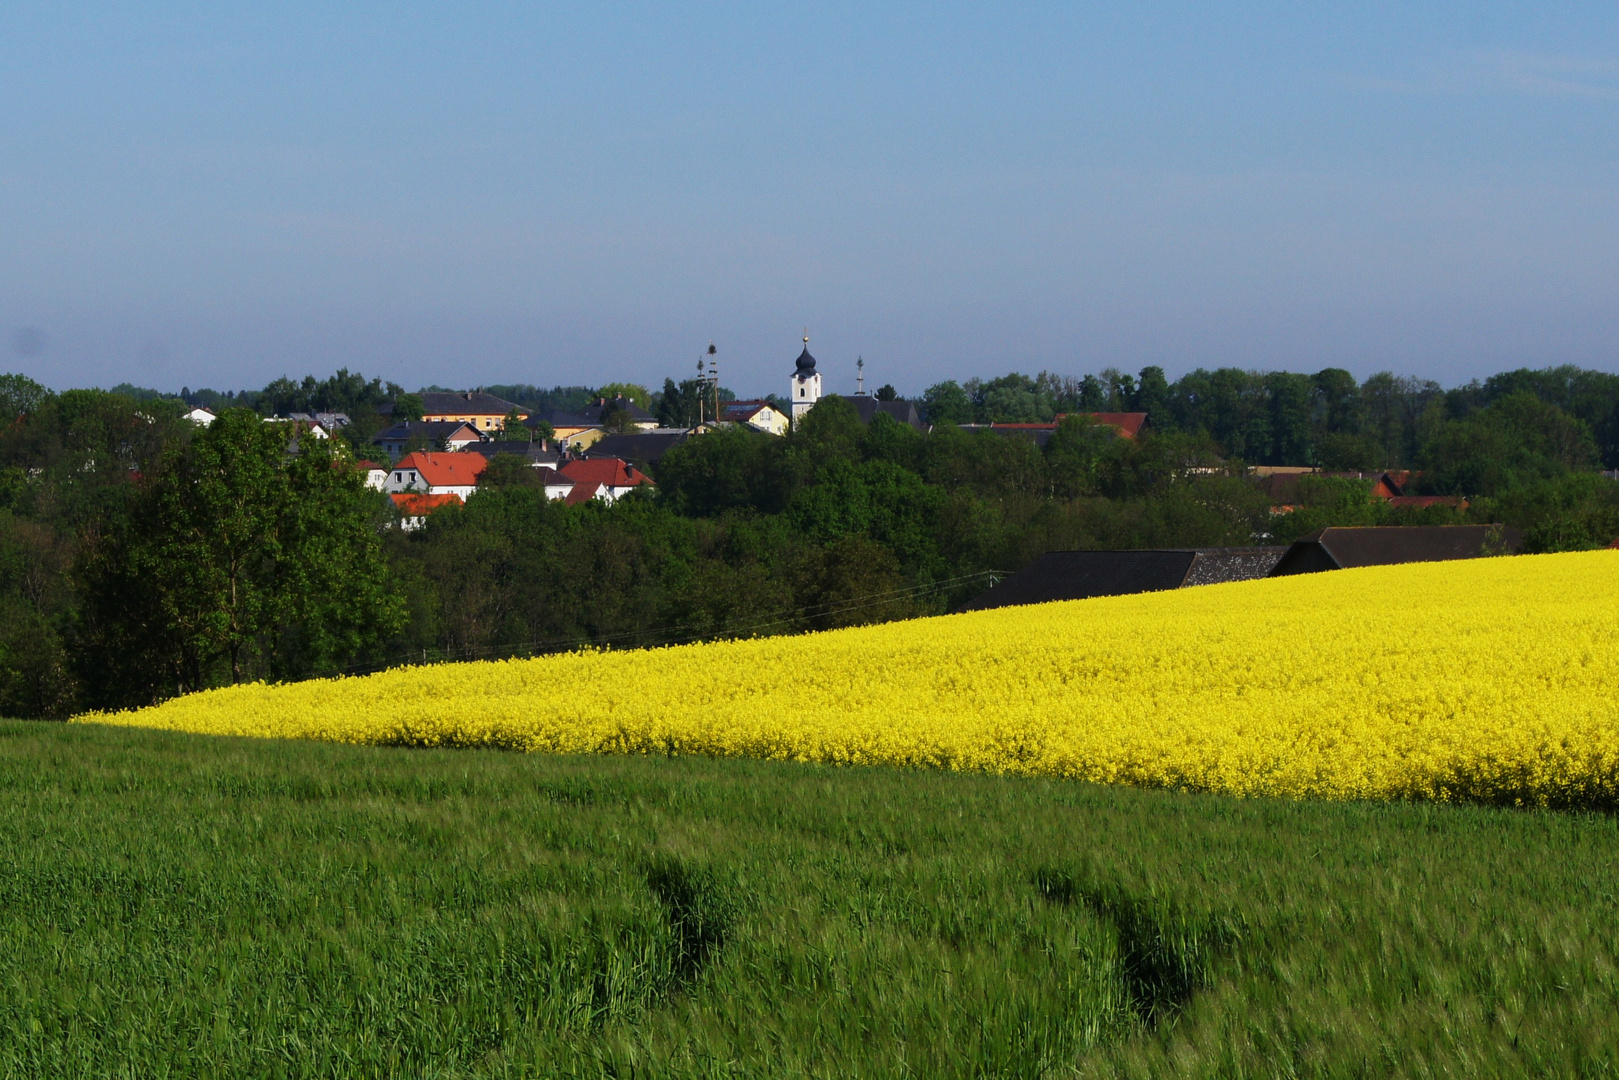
[217, 194]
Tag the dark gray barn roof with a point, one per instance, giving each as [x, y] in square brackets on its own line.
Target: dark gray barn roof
[427, 429]
[465, 404]
[868, 407]
[601, 408]
[1386, 545]
[639, 447]
[1079, 575]
[534, 452]
[1214, 565]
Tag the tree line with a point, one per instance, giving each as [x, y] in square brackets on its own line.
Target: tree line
[143, 556]
[1327, 419]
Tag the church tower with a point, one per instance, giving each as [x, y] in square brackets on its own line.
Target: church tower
[806, 385]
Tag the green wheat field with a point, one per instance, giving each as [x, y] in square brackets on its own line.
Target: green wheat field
[184, 906]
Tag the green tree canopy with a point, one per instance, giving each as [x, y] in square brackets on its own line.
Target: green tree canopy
[408, 407]
[633, 391]
[235, 562]
[1518, 439]
[509, 471]
[19, 396]
[947, 403]
[512, 426]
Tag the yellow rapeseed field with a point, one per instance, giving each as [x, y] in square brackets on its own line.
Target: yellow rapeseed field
[1493, 680]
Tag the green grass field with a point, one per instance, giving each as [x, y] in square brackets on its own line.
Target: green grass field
[178, 906]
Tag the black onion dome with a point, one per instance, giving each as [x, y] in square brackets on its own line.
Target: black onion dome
[806, 363]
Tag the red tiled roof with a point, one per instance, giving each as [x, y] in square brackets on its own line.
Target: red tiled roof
[1615, 543]
[610, 472]
[1128, 423]
[1394, 483]
[445, 470]
[367, 465]
[580, 493]
[415, 504]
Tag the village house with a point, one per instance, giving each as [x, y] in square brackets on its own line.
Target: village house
[484, 412]
[414, 507]
[306, 426]
[429, 434]
[640, 448]
[536, 453]
[556, 485]
[568, 429]
[607, 479]
[600, 411]
[581, 430]
[759, 415]
[436, 474]
[331, 421]
[376, 477]
[867, 407]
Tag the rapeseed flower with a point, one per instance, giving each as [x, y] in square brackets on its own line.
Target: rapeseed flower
[1491, 680]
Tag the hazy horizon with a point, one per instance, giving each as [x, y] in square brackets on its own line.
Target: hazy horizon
[222, 194]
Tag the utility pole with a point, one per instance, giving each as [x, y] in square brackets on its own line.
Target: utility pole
[714, 378]
[699, 391]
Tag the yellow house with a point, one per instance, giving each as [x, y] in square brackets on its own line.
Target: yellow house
[760, 415]
[578, 438]
[485, 412]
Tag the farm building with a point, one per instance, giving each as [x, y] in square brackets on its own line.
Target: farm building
[1385, 545]
[1078, 575]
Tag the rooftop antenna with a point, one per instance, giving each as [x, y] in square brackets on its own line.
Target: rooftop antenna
[860, 376]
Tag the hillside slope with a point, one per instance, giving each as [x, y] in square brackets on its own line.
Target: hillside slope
[1487, 680]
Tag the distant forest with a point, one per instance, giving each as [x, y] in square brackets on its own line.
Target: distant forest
[143, 556]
